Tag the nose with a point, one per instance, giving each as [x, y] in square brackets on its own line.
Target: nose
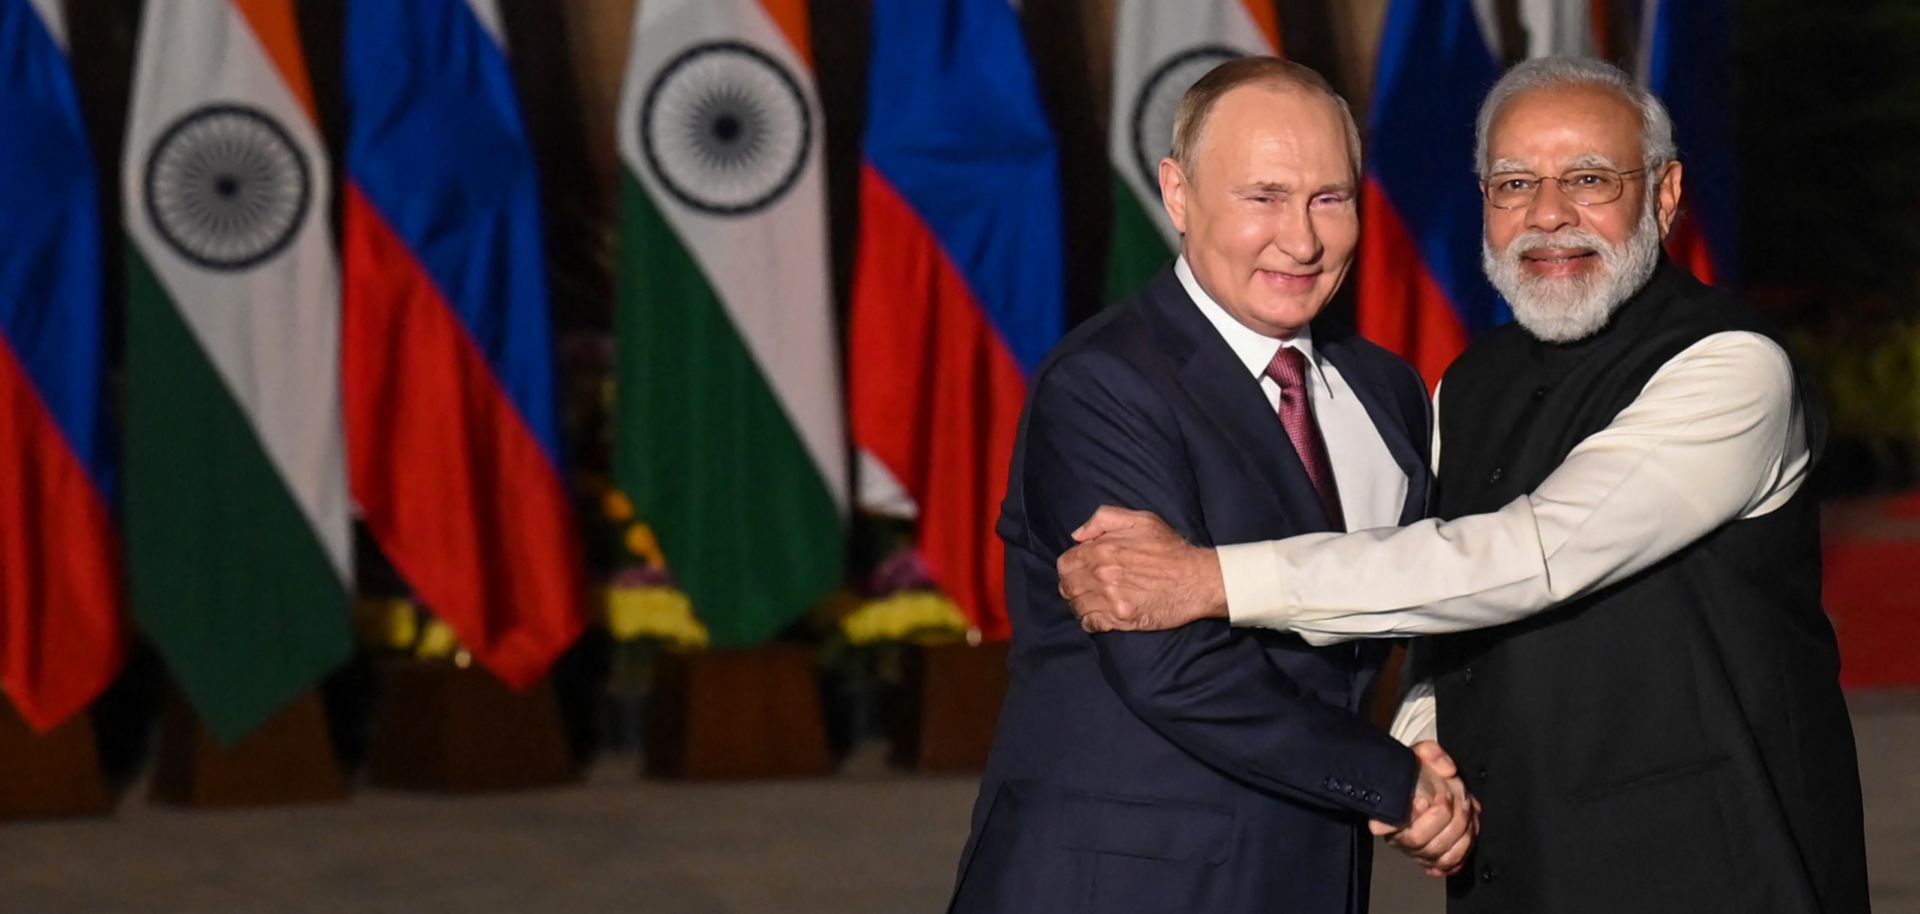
[1550, 208]
[1296, 236]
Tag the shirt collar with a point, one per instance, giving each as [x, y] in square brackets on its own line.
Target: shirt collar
[1254, 349]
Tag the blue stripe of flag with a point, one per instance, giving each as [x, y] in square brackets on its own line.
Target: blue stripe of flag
[435, 140]
[1434, 69]
[1689, 67]
[955, 124]
[50, 305]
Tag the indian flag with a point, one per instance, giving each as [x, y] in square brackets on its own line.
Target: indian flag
[730, 433]
[1160, 49]
[236, 495]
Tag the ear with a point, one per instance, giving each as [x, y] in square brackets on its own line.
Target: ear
[1173, 193]
[1668, 198]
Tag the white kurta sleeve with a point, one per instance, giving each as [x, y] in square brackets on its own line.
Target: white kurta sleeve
[1716, 434]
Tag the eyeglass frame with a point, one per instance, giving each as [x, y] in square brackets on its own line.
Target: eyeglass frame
[1486, 185]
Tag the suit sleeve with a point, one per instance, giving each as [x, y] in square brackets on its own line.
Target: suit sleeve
[1098, 434]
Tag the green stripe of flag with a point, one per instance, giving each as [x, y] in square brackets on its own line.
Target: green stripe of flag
[705, 450]
[225, 573]
[1138, 251]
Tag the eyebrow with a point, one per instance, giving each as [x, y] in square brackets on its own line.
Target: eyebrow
[1275, 187]
[1263, 187]
[1588, 160]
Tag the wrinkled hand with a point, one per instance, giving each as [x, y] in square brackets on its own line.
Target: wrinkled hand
[1445, 818]
[1131, 572]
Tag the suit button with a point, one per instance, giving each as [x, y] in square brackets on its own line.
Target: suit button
[1466, 675]
[1331, 784]
[1488, 873]
[1496, 475]
[1482, 775]
[1373, 798]
[1539, 393]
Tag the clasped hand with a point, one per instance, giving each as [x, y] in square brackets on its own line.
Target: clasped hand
[1445, 819]
[1132, 572]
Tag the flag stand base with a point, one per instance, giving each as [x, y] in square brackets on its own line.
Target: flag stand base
[951, 696]
[49, 775]
[728, 714]
[439, 728]
[289, 760]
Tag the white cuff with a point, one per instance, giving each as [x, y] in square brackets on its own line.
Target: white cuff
[1417, 719]
[1255, 597]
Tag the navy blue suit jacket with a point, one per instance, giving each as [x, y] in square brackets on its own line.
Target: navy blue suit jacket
[1204, 769]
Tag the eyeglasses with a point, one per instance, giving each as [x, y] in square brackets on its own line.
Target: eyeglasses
[1582, 186]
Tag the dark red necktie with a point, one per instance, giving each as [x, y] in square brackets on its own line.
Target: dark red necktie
[1289, 370]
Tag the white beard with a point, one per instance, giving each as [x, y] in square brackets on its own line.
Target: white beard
[1564, 309]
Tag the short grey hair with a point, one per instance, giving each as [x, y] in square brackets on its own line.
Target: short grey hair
[1656, 126]
[1276, 73]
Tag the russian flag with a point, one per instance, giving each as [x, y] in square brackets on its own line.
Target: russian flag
[61, 637]
[1420, 291]
[958, 282]
[1687, 60]
[452, 438]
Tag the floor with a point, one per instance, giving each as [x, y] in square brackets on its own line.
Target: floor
[869, 841]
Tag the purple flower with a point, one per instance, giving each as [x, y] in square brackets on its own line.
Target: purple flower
[903, 570]
[643, 576]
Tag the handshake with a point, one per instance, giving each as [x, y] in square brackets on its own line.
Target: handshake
[1445, 817]
[1132, 572]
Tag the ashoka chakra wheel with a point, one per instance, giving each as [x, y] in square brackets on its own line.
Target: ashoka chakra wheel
[725, 128]
[226, 186]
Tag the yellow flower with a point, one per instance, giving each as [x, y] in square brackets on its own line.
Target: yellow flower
[386, 624]
[920, 616]
[660, 613]
[644, 545]
[437, 642]
[616, 506]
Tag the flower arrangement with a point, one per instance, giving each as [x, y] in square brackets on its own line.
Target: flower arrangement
[640, 602]
[398, 625]
[641, 608]
[865, 635]
[904, 606]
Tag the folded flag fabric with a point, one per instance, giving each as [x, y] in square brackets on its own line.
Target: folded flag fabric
[452, 428]
[238, 550]
[60, 602]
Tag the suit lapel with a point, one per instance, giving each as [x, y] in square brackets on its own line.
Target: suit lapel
[1220, 389]
[1388, 418]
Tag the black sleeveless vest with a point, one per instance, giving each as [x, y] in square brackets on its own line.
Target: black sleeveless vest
[1677, 742]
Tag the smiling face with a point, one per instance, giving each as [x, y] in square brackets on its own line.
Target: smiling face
[1565, 267]
[1267, 210]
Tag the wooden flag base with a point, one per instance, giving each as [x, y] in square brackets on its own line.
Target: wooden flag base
[288, 761]
[49, 775]
[440, 728]
[951, 702]
[736, 714]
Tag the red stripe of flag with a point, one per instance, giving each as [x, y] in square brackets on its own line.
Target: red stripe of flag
[937, 397]
[1420, 323]
[452, 483]
[60, 633]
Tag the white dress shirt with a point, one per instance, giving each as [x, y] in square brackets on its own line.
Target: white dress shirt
[1716, 435]
[1373, 488]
